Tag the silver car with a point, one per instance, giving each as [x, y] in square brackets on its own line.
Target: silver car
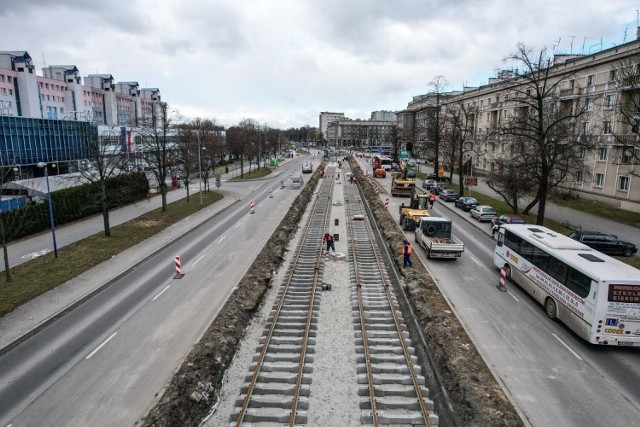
[483, 213]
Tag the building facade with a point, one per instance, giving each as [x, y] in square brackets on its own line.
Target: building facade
[40, 115]
[601, 85]
[326, 118]
[361, 134]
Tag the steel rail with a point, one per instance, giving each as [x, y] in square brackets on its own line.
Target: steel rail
[274, 320]
[416, 384]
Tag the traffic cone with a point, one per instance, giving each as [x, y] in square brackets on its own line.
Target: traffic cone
[179, 273]
[503, 279]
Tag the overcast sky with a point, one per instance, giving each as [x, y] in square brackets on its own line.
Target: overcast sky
[282, 62]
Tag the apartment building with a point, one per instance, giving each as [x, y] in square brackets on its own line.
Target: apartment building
[324, 120]
[361, 133]
[34, 111]
[609, 172]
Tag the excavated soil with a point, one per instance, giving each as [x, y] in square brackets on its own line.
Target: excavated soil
[476, 397]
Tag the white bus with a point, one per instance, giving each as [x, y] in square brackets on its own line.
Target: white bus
[596, 296]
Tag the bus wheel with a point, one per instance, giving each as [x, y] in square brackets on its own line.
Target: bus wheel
[551, 308]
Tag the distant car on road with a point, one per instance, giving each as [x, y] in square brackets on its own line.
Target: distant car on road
[411, 163]
[506, 219]
[449, 195]
[411, 174]
[307, 167]
[605, 243]
[483, 213]
[428, 184]
[466, 203]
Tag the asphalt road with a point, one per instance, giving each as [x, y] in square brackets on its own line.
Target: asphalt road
[104, 362]
[552, 376]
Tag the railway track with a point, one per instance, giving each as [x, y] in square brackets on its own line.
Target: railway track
[277, 390]
[392, 388]
[390, 384]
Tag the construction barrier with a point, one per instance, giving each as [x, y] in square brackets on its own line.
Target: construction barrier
[386, 203]
[252, 208]
[270, 193]
[179, 273]
[503, 280]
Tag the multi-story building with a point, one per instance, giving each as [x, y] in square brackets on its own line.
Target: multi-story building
[361, 133]
[592, 83]
[325, 119]
[384, 116]
[39, 114]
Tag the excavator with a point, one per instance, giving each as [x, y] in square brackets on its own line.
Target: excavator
[410, 215]
[401, 185]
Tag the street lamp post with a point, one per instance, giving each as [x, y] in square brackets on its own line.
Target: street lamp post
[43, 165]
[17, 170]
[199, 167]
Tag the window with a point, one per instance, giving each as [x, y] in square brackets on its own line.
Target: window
[602, 153]
[585, 128]
[626, 155]
[572, 84]
[611, 101]
[588, 104]
[579, 176]
[591, 80]
[606, 127]
[2, 78]
[599, 180]
[582, 152]
[613, 75]
[623, 183]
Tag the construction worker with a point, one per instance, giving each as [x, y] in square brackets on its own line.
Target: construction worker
[406, 251]
[432, 199]
[329, 239]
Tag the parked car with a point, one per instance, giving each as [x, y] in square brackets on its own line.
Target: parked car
[439, 187]
[605, 243]
[428, 184]
[411, 174]
[466, 203]
[483, 213]
[437, 178]
[411, 163]
[394, 166]
[506, 219]
[449, 195]
[379, 173]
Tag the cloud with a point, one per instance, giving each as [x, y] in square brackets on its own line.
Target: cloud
[282, 62]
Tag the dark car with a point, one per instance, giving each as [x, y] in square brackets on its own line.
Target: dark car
[605, 243]
[466, 203]
[438, 188]
[411, 174]
[429, 183]
[506, 219]
[449, 195]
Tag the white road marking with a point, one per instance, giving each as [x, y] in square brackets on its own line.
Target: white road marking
[198, 260]
[512, 295]
[220, 239]
[476, 261]
[237, 224]
[160, 293]
[260, 205]
[100, 346]
[567, 347]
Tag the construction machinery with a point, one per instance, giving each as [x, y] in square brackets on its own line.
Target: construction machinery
[400, 184]
[410, 215]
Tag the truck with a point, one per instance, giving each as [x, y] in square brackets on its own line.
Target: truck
[434, 235]
[418, 208]
[400, 184]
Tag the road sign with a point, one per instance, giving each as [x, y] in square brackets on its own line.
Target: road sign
[441, 172]
[404, 155]
[470, 181]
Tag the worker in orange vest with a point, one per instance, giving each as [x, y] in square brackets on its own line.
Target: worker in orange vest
[406, 251]
[329, 239]
[432, 199]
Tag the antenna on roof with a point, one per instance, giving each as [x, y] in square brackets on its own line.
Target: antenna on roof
[624, 39]
[44, 63]
[571, 44]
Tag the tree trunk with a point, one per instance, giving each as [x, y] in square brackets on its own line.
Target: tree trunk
[7, 270]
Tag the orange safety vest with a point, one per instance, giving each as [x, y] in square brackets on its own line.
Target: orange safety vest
[432, 197]
[409, 249]
[328, 237]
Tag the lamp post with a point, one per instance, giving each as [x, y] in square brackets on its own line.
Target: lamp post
[199, 167]
[18, 171]
[43, 165]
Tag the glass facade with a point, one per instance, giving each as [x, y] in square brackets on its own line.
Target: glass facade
[27, 141]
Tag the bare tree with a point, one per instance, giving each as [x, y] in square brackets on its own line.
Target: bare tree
[457, 133]
[159, 149]
[106, 158]
[544, 124]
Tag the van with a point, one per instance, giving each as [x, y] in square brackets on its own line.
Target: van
[297, 182]
[307, 167]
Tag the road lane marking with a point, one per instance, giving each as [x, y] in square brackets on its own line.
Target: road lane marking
[100, 346]
[220, 239]
[566, 346]
[513, 296]
[160, 293]
[476, 261]
[198, 260]
[237, 224]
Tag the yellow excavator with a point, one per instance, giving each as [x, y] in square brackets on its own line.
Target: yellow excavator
[400, 184]
[410, 215]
